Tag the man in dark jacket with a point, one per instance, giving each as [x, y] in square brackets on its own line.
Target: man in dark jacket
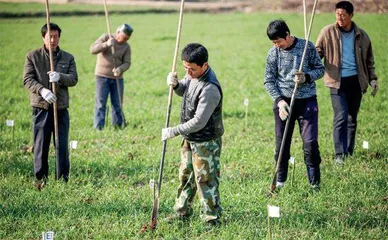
[201, 127]
[38, 79]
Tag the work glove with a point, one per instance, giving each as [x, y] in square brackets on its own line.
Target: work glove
[375, 87]
[48, 95]
[116, 72]
[111, 42]
[167, 133]
[299, 77]
[172, 79]
[283, 109]
[54, 76]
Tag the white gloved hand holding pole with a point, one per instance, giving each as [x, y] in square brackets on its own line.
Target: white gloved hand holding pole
[172, 79]
[48, 95]
[116, 71]
[299, 77]
[111, 42]
[167, 133]
[375, 87]
[283, 109]
[54, 76]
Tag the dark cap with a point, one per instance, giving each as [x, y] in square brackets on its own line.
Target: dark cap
[126, 29]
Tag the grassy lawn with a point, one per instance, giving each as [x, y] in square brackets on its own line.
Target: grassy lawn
[108, 195]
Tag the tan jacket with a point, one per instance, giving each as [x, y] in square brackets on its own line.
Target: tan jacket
[105, 63]
[329, 46]
[35, 76]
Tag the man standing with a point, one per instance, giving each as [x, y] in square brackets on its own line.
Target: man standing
[281, 75]
[201, 127]
[349, 64]
[113, 59]
[37, 78]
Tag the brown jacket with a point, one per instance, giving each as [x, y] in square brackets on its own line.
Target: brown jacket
[329, 46]
[105, 64]
[35, 76]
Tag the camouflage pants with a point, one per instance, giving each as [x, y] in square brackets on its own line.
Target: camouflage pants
[199, 171]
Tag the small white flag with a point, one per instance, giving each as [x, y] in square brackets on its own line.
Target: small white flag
[73, 144]
[365, 145]
[152, 183]
[10, 123]
[292, 160]
[273, 211]
[48, 235]
[246, 102]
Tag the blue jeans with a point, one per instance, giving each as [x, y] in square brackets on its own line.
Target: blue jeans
[346, 103]
[305, 112]
[104, 86]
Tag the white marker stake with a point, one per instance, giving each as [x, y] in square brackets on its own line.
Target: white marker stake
[365, 145]
[292, 162]
[10, 123]
[48, 235]
[246, 103]
[273, 211]
[152, 183]
[73, 144]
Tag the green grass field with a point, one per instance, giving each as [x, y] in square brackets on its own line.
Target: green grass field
[108, 196]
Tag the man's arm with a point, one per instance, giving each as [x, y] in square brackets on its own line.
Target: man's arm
[208, 101]
[30, 76]
[315, 63]
[70, 78]
[271, 74]
[100, 45]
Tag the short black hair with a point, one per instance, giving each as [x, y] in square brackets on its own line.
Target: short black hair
[346, 5]
[53, 27]
[195, 53]
[277, 29]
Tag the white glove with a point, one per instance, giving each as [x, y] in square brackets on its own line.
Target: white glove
[167, 133]
[172, 79]
[283, 109]
[375, 87]
[116, 72]
[111, 42]
[54, 76]
[48, 95]
[299, 77]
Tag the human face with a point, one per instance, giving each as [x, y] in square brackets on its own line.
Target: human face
[53, 39]
[193, 70]
[283, 43]
[121, 37]
[343, 18]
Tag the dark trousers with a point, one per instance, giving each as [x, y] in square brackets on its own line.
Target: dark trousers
[305, 112]
[346, 103]
[43, 128]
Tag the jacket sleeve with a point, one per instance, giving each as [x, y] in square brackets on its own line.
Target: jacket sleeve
[126, 60]
[370, 63]
[70, 78]
[271, 74]
[317, 69]
[30, 76]
[100, 44]
[319, 45]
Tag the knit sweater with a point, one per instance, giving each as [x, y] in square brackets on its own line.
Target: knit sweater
[105, 62]
[281, 67]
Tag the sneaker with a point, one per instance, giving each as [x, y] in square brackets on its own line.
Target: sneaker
[339, 160]
[176, 217]
[280, 184]
[315, 187]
